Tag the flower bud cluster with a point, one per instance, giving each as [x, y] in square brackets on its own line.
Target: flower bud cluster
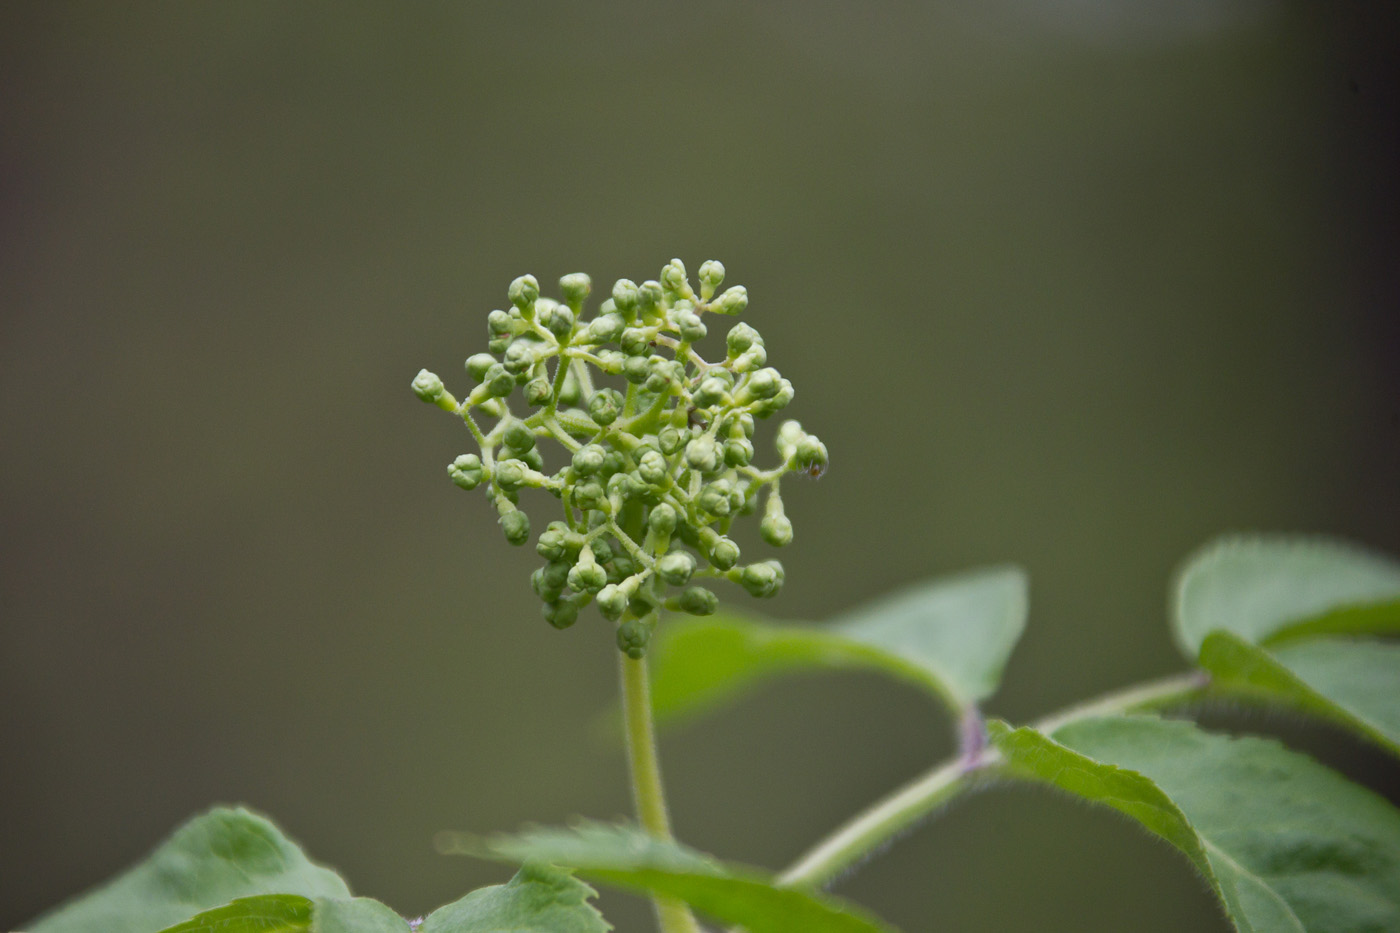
[657, 441]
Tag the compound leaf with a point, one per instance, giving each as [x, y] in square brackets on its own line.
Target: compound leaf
[1285, 843]
[1264, 616]
[627, 858]
[1353, 682]
[537, 898]
[950, 636]
[1270, 589]
[209, 861]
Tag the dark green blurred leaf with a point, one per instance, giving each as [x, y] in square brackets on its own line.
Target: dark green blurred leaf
[950, 636]
[1267, 589]
[211, 860]
[628, 858]
[1285, 843]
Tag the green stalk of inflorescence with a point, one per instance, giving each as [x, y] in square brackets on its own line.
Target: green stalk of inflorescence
[651, 478]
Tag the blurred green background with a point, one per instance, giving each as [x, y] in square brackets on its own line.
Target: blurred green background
[1077, 285]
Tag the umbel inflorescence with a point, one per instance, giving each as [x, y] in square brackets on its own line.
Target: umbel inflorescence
[654, 474]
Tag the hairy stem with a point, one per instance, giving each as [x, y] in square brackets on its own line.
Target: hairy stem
[647, 793]
[895, 813]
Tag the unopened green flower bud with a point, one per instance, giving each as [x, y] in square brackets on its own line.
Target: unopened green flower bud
[762, 580]
[606, 328]
[553, 542]
[676, 567]
[602, 551]
[632, 638]
[636, 369]
[589, 460]
[543, 588]
[662, 519]
[625, 296]
[524, 291]
[701, 454]
[689, 325]
[510, 474]
[518, 437]
[612, 602]
[575, 288]
[590, 495]
[520, 355]
[733, 301]
[742, 337]
[751, 359]
[789, 435]
[659, 378]
[499, 381]
[738, 452]
[698, 601]
[721, 551]
[538, 391]
[622, 567]
[478, 364]
[672, 439]
[653, 467]
[604, 406]
[760, 385]
[533, 460]
[649, 297]
[613, 463]
[428, 387]
[714, 498]
[500, 324]
[711, 391]
[516, 525]
[711, 277]
[561, 613]
[556, 318]
[636, 341]
[775, 528]
[556, 572]
[811, 456]
[673, 279]
[780, 400]
[466, 471]
[587, 576]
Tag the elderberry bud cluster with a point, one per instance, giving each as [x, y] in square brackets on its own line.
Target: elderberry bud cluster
[657, 444]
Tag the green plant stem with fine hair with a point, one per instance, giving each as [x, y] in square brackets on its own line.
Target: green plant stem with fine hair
[644, 766]
[886, 818]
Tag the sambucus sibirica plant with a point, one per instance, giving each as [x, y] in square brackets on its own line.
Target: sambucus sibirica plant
[652, 461]
[650, 478]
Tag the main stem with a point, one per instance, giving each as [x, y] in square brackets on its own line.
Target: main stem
[647, 792]
[912, 802]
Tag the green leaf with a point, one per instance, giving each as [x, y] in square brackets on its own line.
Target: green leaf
[537, 898]
[626, 857]
[290, 913]
[950, 636]
[1268, 589]
[1353, 682]
[357, 915]
[211, 860]
[1285, 843]
[266, 913]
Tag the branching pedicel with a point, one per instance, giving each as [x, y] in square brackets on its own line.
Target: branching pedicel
[665, 464]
